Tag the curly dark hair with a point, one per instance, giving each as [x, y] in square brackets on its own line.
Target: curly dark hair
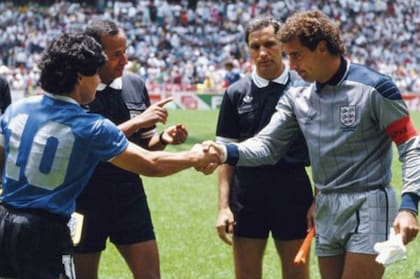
[261, 23]
[67, 56]
[99, 27]
[311, 27]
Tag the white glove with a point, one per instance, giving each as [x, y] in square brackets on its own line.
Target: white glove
[390, 251]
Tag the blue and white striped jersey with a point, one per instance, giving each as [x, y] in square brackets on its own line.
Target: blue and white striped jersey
[51, 148]
[349, 125]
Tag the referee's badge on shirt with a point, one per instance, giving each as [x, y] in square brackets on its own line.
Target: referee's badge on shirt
[247, 99]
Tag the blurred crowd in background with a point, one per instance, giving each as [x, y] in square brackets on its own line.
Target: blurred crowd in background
[176, 46]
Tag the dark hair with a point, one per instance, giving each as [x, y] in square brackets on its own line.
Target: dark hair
[97, 28]
[311, 27]
[67, 56]
[261, 23]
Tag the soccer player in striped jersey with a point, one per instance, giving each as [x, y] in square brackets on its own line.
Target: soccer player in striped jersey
[49, 148]
[349, 116]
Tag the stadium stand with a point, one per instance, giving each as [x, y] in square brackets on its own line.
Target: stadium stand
[174, 46]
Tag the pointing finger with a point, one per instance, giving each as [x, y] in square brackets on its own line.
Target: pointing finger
[163, 102]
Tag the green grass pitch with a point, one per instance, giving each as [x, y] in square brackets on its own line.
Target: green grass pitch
[184, 208]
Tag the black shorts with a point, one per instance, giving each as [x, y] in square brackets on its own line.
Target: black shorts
[115, 210]
[267, 199]
[34, 244]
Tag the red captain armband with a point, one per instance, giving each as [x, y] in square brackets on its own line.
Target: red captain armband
[401, 130]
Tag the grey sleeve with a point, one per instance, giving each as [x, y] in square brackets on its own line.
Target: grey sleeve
[393, 117]
[272, 142]
[409, 152]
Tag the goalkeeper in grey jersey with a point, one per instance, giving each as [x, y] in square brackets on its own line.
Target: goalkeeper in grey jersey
[349, 116]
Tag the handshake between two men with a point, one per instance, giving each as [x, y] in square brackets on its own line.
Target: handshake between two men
[210, 156]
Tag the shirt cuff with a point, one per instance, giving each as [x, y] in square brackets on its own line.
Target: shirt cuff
[232, 154]
[410, 202]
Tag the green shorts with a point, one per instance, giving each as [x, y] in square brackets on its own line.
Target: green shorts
[353, 222]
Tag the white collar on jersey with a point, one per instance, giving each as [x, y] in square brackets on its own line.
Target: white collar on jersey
[115, 84]
[262, 82]
[61, 98]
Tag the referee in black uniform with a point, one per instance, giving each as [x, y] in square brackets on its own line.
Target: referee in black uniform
[254, 201]
[114, 203]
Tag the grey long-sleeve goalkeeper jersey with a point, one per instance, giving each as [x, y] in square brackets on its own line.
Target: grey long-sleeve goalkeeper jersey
[349, 125]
